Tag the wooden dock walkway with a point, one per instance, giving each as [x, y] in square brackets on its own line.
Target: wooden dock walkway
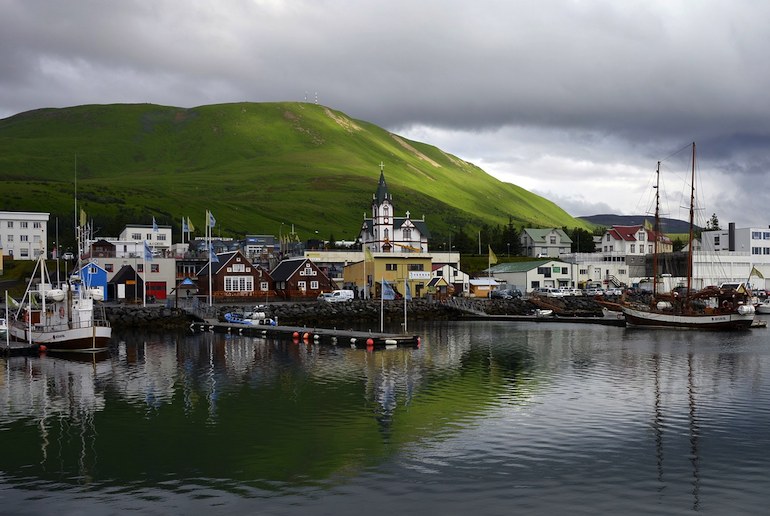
[335, 336]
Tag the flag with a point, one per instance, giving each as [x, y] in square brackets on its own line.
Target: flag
[755, 272]
[492, 257]
[154, 226]
[368, 254]
[185, 227]
[648, 225]
[387, 291]
[212, 220]
[212, 255]
[190, 227]
[147, 252]
[11, 301]
[408, 290]
[83, 217]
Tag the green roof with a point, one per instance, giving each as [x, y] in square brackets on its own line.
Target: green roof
[519, 266]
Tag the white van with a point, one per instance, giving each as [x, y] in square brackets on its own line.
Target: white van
[339, 296]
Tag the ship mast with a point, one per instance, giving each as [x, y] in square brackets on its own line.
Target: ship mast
[692, 225]
[656, 229]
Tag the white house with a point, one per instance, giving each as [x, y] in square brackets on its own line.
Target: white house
[637, 239]
[386, 233]
[23, 234]
[453, 276]
[528, 276]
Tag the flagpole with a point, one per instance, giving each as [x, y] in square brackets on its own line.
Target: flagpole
[405, 296]
[144, 274]
[208, 247]
[365, 289]
[382, 305]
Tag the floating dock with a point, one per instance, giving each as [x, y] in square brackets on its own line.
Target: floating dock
[334, 336]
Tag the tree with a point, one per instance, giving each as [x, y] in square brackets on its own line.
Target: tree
[713, 223]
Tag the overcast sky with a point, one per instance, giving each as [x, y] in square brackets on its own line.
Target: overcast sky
[573, 100]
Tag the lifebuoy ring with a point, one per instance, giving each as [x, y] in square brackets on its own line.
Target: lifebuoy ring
[61, 311]
[727, 305]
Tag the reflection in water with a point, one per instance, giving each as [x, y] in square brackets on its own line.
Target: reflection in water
[546, 413]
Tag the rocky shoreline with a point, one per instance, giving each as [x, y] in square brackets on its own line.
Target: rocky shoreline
[325, 314]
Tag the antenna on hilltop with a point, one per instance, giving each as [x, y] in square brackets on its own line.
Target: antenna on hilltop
[316, 97]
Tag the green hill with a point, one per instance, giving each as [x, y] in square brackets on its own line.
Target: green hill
[254, 165]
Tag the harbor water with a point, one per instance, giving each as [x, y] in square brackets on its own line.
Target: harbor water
[483, 417]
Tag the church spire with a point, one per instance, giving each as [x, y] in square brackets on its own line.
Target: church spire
[382, 188]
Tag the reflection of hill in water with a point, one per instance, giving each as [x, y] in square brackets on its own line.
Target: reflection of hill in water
[235, 407]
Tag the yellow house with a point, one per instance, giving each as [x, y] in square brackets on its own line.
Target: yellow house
[395, 268]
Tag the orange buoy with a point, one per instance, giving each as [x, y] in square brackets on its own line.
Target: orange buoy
[305, 336]
[42, 348]
[295, 335]
[369, 342]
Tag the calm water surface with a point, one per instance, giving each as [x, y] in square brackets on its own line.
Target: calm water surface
[484, 417]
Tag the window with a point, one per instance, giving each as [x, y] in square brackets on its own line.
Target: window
[139, 267]
[633, 248]
[608, 237]
[649, 249]
[149, 236]
[756, 235]
[756, 250]
[24, 252]
[544, 271]
[387, 233]
[108, 267]
[302, 285]
[239, 284]
[313, 285]
[642, 236]
[23, 225]
[10, 224]
[553, 240]
[154, 267]
[36, 239]
[407, 234]
[263, 286]
[136, 236]
[238, 267]
[766, 235]
[37, 225]
[415, 267]
[161, 236]
[391, 266]
[24, 238]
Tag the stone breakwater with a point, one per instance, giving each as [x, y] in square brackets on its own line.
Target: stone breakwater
[323, 314]
[150, 317]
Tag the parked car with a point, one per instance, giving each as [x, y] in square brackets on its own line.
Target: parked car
[324, 296]
[554, 292]
[340, 296]
[68, 256]
[593, 291]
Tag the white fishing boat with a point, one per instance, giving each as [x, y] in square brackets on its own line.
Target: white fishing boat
[727, 307]
[67, 317]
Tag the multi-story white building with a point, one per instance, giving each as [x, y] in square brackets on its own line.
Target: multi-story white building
[754, 241]
[23, 234]
[158, 238]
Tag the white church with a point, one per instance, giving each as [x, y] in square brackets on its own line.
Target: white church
[386, 233]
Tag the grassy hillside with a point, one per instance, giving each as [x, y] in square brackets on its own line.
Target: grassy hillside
[254, 166]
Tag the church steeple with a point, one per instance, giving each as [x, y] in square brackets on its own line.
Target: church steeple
[382, 188]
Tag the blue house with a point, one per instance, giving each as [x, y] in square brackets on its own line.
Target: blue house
[94, 276]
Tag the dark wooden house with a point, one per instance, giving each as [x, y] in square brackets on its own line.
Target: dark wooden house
[235, 278]
[300, 278]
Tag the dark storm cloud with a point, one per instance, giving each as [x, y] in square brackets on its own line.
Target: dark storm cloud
[568, 90]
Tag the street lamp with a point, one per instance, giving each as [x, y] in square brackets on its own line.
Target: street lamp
[509, 249]
[280, 240]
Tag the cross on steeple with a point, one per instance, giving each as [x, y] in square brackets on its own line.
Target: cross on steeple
[382, 166]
